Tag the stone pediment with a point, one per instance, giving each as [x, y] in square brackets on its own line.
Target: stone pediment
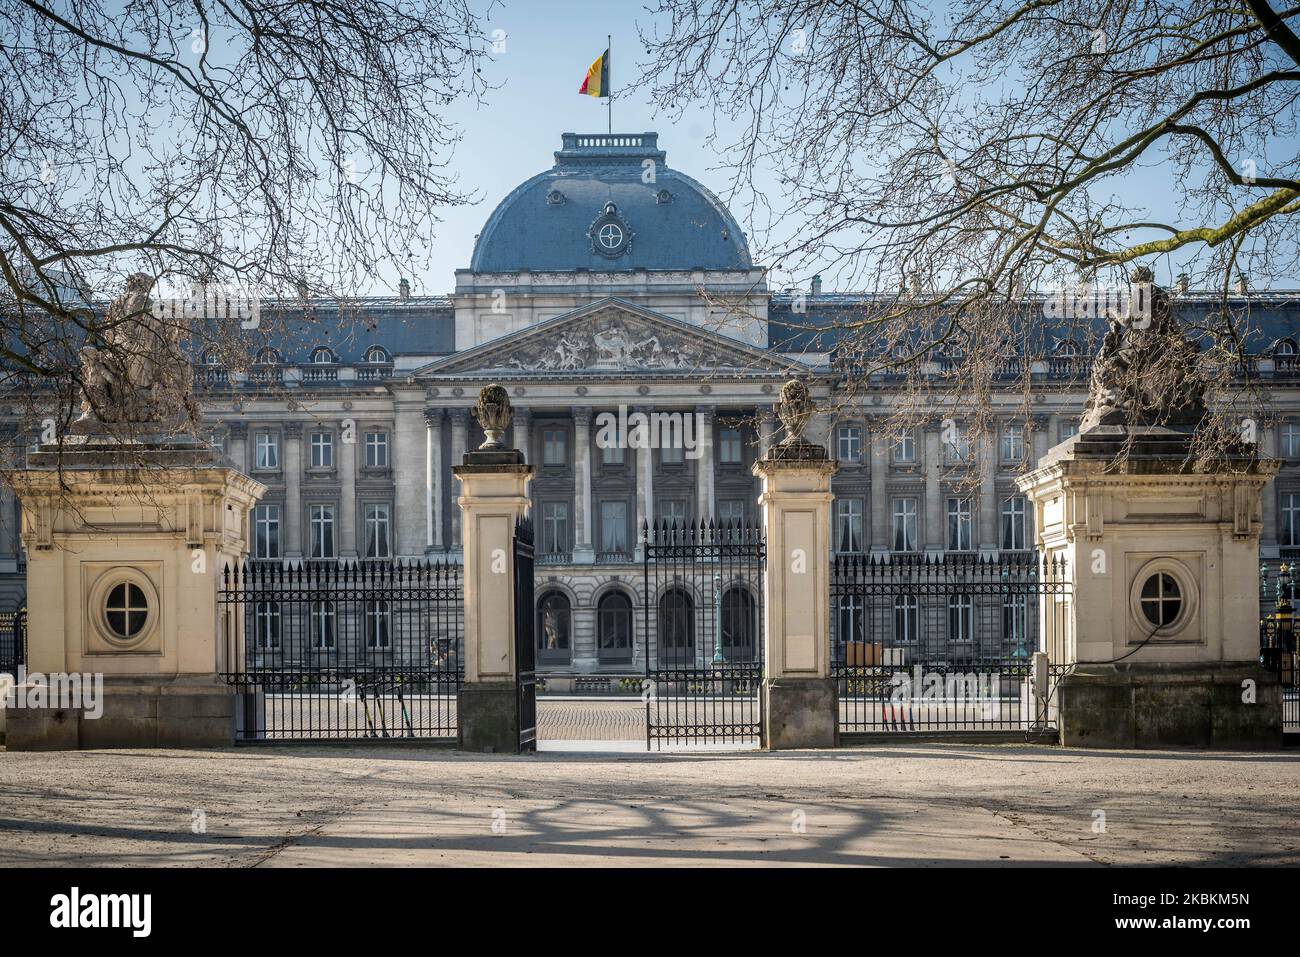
[610, 337]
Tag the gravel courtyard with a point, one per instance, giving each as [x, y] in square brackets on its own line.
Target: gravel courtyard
[307, 805]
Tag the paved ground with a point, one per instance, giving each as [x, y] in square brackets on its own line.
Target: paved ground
[295, 806]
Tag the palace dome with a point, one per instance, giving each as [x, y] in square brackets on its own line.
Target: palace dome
[599, 208]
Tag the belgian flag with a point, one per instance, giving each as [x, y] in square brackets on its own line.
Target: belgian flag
[596, 82]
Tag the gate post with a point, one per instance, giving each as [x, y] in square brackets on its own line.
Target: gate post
[798, 699]
[493, 497]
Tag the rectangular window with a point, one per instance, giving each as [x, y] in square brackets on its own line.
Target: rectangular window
[1015, 531]
[1289, 440]
[218, 441]
[266, 625]
[613, 526]
[848, 525]
[961, 618]
[849, 444]
[960, 525]
[322, 450]
[1289, 520]
[379, 624]
[378, 532]
[321, 520]
[903, 530]
[957, 448]
[905, 447]
[731, 512]
[266, 531]
[907, 615]
[268, 451]
[376, 450]
[322, 624]
[611, 455]
[555, 447]
[1069, 429]
[729, 447]
[673, 511]
[1015, 623]
[1013, 443]
[672, 454]
[555, 527]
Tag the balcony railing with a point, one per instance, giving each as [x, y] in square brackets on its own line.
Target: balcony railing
[314, 373]
[372, 373]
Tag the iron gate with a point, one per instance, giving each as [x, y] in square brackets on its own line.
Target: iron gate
[1277, 639]
[702, 626]
[362, 650]
[525, 650]
[13, 641]
[945, 644]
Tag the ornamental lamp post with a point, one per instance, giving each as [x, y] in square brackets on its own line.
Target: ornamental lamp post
[717, 619]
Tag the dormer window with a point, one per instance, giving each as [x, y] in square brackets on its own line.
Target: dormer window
[1067, 349]
[322, 356]
[377, 355]
[1284, 349]
[211, 358]
[267, 357]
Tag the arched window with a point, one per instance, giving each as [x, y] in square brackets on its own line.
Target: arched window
[1284, 349]
[1067, 349]
[322, 356]
[211, 357]
[738, 625]
[554, 629]
[378, 355]
[676, 628]
[267, 357]
[614, 627]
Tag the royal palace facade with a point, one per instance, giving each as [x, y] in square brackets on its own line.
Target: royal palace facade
[611, 285]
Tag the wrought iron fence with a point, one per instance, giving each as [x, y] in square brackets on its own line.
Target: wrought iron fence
[702, 615]
[1277, 639]
[941, 644]
[13, 641]
[344, 650]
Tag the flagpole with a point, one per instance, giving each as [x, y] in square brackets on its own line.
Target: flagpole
[609, 98]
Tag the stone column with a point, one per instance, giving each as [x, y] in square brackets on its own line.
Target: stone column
[348, 492]
[408, 472]
[292, 490]
[1268, 545]
[880, 543]
[492, 500]
[645, 492]
[704, 464]
[1039, 427]
[521, 433]
[935, 527]
[988, 537]
[433, 480]
[237, 445]
[459, 436]
[583, 553]
[799, 700]
[766, 429]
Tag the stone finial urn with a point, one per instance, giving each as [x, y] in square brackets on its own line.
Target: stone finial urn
[794, 409]
[493, 413]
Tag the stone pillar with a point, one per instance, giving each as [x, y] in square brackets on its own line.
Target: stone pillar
[293, 490]
[583, 553]
[521, 432]
[408, 472]
[705, 506]
[880, 543]
[493, 498]
[766, 429]
[459, 435]
[433, 480]
[237, 445]
[1038, 439]
[935, 527]
[988, 538]
[799, 700]
[645, 492]
[347, 464]
[1189, 675]
[167, 532]
[1268, 545]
